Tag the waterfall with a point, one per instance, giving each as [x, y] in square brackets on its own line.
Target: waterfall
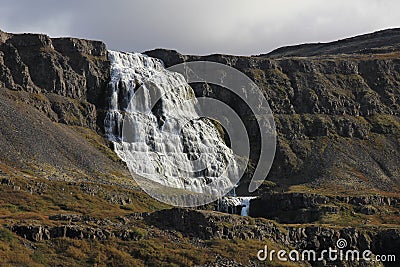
[245, 206]
[168, 142]
[235, 205]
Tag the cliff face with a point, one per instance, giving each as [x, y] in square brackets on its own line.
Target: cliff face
[67, 200]
[63, 77]
[52, 97]
[337, 115]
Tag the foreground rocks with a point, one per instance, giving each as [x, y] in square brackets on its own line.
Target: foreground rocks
[40, 233]
[222, 262]
[82, 227]
[207, 225]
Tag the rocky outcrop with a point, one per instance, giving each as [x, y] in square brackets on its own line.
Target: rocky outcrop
[207, 225]
[76, 226]
[65, 77]
[308, 208]
[39, 233]
[222, 262]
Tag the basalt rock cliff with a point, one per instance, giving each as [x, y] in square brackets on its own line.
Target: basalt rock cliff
[336, 108]
[67, 200]
[68, 76]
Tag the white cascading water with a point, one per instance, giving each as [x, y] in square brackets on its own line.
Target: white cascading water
[169, 144]
[245, 205]
[235, 204]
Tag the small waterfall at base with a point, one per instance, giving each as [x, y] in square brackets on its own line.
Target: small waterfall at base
[235, 205]
[169, 143]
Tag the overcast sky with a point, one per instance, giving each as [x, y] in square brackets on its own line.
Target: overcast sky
[200, 26]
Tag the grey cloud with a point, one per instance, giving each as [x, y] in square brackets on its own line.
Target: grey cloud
[200, 27]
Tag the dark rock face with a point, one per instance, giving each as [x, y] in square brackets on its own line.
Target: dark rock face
[39, 233]
[68, 76]
[337, 115]
[33, 233]
[308, 208]
[81, 227]
[208, 225]
[387, 242]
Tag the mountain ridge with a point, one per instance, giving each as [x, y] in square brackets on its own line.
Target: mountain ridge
[360, 44]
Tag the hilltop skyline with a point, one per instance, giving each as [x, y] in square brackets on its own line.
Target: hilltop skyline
[201, 27]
